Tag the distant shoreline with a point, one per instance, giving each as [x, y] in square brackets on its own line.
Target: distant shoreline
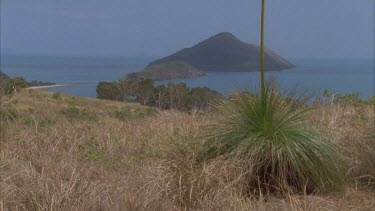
[49, 86]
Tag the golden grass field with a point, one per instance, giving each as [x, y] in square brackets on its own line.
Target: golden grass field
[60, 152]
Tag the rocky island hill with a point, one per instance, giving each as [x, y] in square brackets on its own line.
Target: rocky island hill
[220, 53]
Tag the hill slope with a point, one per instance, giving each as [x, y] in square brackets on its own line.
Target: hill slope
[167, 71]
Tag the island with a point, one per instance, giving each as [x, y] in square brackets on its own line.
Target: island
[222, 52]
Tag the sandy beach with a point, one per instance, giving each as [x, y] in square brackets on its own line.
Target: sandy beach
[49, 86]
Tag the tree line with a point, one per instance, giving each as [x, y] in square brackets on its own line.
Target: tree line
[9, 85]
[171, 96]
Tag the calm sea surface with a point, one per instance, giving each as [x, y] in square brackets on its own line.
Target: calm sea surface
[83, 74]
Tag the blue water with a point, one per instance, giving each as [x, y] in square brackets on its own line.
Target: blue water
[341, 76]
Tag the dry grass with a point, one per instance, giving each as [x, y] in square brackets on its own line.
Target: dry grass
[71, 153]
[352, 129]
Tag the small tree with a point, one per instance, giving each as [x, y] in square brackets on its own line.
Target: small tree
[108, 91]
[144, 91]
[160, 96]
[128, 89]
[177, 95]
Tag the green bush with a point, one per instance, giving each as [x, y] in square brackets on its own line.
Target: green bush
[346, 99]
[282, 153]
[128, 114]
[46, 122]
[56, 96]
[72, 112]
[372, 100]
[8, 113]
[108, 91]
[91, 150]
[10, 85]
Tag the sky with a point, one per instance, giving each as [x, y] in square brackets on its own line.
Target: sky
[152, 28]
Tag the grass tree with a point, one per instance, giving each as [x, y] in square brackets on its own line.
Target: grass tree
[270, 134]
[267, 129]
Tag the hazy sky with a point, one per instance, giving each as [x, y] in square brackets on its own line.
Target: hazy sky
[294, 28]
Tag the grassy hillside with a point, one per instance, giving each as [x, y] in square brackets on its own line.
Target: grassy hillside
[60, 152]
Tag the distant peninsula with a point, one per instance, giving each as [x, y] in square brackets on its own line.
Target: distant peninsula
[10, 84]
[222, 52]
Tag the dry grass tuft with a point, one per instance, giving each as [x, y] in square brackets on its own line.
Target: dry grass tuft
[352, 128]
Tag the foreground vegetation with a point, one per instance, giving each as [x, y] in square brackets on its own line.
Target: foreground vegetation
[173, 96]
[60, 152]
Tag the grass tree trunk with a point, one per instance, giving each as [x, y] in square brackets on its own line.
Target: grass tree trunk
[262, 77]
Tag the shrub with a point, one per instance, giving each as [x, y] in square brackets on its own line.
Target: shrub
[345, 99]
[10, 85]
[7, 113]
[72, 112]
[349, 99]
[128, 114]
[108, 91]
[56, 96]
[284, 155]
[372, 100]
[92, 150]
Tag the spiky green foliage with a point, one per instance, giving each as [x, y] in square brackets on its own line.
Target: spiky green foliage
[282, 153]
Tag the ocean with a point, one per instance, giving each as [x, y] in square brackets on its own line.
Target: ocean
[81, 75]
